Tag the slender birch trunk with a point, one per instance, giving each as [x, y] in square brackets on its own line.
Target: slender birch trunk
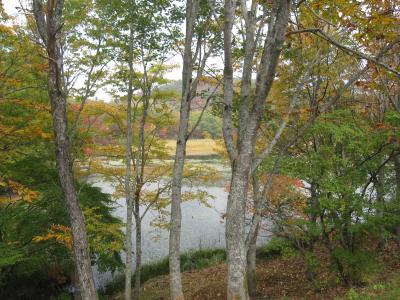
[138, 184]
[49, 24]
[180, 154]
[128, 192]
[138, 260]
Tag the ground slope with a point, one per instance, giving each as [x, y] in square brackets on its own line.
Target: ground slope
[283, 278]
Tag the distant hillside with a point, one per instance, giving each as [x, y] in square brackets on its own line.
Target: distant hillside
[199, 101]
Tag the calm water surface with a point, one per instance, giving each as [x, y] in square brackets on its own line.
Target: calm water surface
[202, 226]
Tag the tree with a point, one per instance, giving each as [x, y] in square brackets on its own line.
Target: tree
[321, 99]
[35, 230]
[49, 24]
[146, 150]
[250, 114]
[198, 25]
[143, 45]
[343, 173]
[311, 76]
[192, 8]
[33, 214]
[106, 127]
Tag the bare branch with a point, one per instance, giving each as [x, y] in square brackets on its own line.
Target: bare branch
[40, 20]
[229, 9]
[318, 32]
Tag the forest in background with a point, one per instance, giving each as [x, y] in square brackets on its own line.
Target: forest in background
[300, 100]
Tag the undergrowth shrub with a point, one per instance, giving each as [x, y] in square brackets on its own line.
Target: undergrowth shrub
[276, 247]
[358, 266]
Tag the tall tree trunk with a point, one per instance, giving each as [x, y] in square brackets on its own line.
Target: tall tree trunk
[259, 192]
[138, 183]
[235, 223]
[176, 214]
[396, 160]
[251, 112]
[227, 125]
[251, 265]
[76, 292]
[180, 154]
[128, 250]
[49, 24]
[138, 262]
[128, 192]
[312, 217]
[235, 229]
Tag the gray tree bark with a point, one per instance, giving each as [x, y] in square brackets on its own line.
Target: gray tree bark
[227, 125]
[49, 25]
[250, 114]
[251, 265]
[188, 92]
[138, 184]
[138, 260]
[128, 192]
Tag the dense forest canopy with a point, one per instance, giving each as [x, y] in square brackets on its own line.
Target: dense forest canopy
[118, 117]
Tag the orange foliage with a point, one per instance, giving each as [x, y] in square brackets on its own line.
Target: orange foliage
[285, 191]
[18, 192]
[58, 232]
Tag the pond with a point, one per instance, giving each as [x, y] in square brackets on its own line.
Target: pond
[202, 226]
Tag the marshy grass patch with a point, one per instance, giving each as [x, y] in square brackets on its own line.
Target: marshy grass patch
[195, 147]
